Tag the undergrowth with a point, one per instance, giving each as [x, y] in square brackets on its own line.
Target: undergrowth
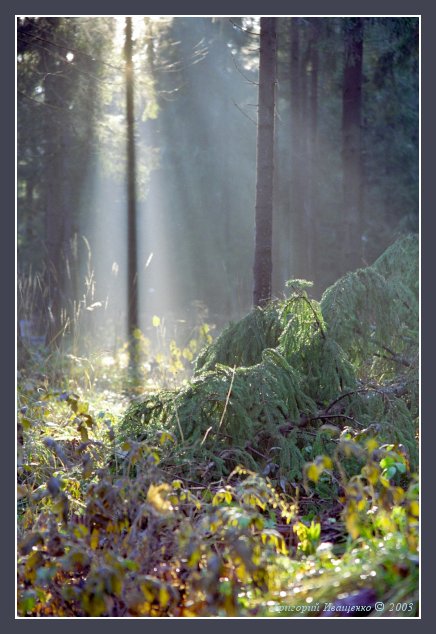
[280, 386]
[279, 481]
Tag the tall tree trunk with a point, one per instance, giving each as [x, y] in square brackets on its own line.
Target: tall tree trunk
[132, 272]
[312, 181]
[351, 142]
[265, 163]
[302, 161]
[295, 236]
[54, 192]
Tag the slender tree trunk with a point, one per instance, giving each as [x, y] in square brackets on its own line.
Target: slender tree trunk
[295, 236]
[312, 182]
[54, 191]
[351, 143]
[132, 272]
[303, 162]
[265, 163]
[279, 247]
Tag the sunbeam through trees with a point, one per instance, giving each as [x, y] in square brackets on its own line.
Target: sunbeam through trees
[218, 316]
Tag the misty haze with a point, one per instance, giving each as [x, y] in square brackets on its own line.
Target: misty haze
[218, 316]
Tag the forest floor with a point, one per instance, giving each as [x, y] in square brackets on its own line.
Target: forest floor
[279, 479]
[105, 530]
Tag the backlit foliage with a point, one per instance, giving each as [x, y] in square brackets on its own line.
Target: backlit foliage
[287, 487]
[351, 360]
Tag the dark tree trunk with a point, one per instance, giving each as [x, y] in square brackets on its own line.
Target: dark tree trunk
[312, 138]
[351, 143]
[55, 98]
[296, 231]
[132, 272]
[302, 162]
[265, 163]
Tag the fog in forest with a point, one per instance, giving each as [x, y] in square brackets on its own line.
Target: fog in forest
[218, 302]
[195, 87]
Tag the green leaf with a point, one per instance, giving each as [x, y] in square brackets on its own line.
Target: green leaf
[389, 473]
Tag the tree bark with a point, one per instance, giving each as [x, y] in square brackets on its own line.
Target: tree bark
[132, 272]
[295, 235]
[312, 138]
[265, 163]
[55, 98]
[351, 143]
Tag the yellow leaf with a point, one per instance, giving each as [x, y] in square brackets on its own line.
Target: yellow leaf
[327, 462]
[194, 558]
[312, 472]
[352, 524]
[166, 435]
[156, 321]
[300, 529]
[187, 354]
[80, 531]
[398, 494]
[275, 539]
[385, 522]
[371, 473]
[361, 505]
[414, 508]
[217, 499]
[164, 596]
[174, 349]
[94, 538]
[287, 515]
[94, 605]
[385, 482]
[193, 345]
[371, 444]
[82, 407]
[156, 496]
[221, 496]
[242, 574]
[146, 591]
[114, 583]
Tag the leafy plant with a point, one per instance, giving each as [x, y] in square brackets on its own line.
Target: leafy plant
[252, 490]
